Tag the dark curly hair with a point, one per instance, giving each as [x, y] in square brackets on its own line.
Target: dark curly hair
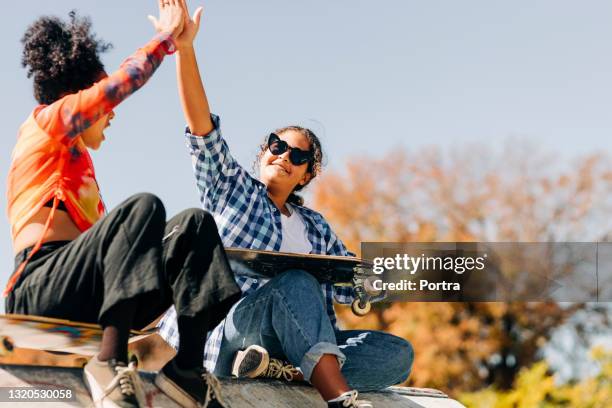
[314, 165]
[63, 57]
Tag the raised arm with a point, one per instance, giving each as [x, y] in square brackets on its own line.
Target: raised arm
[190, 87]
[71, 115]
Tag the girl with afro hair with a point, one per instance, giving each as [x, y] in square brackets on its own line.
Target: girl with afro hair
[125, 268]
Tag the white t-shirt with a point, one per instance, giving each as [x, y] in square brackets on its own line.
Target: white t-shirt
[294, 233]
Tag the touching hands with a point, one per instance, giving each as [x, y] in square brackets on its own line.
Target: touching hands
[171, 18]
[190, 27]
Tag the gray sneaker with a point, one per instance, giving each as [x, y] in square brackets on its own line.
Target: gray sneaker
[112, 384]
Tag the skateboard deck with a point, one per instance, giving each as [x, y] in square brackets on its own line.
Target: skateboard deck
[336, 270]
[38, 340]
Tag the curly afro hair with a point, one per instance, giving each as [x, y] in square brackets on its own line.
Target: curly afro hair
[63, 57]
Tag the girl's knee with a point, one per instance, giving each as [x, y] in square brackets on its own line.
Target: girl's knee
[200, 218]
[147, 204]
[405, 359]
[296, 281]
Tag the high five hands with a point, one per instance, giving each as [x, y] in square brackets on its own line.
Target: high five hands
[174, 19]
[171, 18]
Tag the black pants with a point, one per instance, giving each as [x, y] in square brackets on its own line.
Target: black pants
[132, 253]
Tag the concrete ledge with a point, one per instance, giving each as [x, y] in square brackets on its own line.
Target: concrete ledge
[237, 393]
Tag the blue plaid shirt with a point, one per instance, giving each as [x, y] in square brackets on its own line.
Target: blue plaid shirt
[247, 218]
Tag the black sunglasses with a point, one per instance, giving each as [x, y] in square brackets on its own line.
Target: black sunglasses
[296, 156]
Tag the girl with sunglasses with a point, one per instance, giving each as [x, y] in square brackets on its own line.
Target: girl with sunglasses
[121, 269]
[287, 321]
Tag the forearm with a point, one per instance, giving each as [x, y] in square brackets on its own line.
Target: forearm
[191, 93]
[137, 69]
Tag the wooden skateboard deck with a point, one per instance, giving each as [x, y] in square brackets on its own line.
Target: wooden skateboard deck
[337, 270]
[37, 340]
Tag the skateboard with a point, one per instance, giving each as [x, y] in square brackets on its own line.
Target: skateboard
[337, 270]
[37, 340]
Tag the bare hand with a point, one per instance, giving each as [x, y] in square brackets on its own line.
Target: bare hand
[190, 26]
[171, 18]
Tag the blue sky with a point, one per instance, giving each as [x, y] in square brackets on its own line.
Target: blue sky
[366, 76]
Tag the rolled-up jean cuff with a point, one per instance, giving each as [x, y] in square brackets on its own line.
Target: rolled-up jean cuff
[312, 357]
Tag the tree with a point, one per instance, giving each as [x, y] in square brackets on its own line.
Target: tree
[537, 387]
[471, 194]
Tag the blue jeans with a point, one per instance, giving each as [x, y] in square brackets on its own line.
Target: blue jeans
[287, 317]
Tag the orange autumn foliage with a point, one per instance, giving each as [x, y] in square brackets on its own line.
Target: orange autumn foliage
[471, 194]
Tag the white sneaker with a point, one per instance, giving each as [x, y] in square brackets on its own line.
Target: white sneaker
[349, 400]
[254, 362]
[112, 384]
[250, 363]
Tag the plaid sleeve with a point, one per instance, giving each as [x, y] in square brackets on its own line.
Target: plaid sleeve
[336, 247]
[215, 169]
[332, 245]
[68, 117]
[343, 294]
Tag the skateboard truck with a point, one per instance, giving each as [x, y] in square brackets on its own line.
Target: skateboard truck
[361, 304]
[364, 290]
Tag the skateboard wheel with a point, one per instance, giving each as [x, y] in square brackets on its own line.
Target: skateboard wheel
[358, 309]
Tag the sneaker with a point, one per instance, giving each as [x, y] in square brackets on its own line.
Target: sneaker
[254, 362]
[112, 384]
[251, 362]
[192, 388]
[349, 400]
